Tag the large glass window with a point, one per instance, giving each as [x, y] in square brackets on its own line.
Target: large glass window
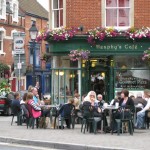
[117, 13]
[65, 79]
[57, 13]
[131, 73]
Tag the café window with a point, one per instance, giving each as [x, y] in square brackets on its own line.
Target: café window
[118, 13]
[65, 79]
[131, 73]
[57, 13]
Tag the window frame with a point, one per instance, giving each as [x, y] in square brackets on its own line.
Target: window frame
[3, 9]
[15, 11]
[57, 9]
[3, 31]
[131, 14]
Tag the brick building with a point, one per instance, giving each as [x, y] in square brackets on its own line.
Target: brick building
[115, 60]
[17, 16]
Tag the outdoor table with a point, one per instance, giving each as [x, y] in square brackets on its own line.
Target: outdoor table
[110, 109]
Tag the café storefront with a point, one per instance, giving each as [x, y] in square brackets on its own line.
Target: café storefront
[116, 63]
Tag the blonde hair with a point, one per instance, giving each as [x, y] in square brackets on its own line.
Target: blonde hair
[29, 96]
[71, 100]
[147, 92]
[30, 88]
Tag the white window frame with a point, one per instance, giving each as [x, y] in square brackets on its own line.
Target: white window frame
[131, 15]
[15, 10]
[3, 31]
[3, 9]
[53, 10]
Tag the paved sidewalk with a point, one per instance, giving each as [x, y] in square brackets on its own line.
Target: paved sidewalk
[72, 139]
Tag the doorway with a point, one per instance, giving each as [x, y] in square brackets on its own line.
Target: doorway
[99, 77]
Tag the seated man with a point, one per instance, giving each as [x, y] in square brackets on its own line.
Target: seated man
[100, 100]
[16, 103]
[141, 114]
[140, 101]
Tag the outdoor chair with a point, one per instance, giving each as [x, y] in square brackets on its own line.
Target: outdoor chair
[89, 122]
[18, 113]
[147, 118]
[54, 113]
[69, 115]
[128, 121]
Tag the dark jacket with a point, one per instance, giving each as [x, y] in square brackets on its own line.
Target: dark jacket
[66, 110]
[15, 106]
[129, 104]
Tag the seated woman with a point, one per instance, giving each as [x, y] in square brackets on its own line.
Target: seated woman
[91, 104]
[126, 107]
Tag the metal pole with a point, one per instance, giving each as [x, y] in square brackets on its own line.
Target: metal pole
[33, 75]
[19, 73]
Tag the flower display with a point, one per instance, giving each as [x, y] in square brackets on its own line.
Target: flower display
[75, 55]
[146, 56]
[100, 34]
[138, 33]
[56, 34]
[4, 87]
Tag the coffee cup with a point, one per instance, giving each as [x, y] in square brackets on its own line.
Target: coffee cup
[116, 104]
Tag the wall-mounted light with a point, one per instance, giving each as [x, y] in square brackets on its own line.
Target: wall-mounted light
[60, 73]
[72, 75]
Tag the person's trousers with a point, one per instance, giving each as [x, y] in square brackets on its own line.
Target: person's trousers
[140, 119]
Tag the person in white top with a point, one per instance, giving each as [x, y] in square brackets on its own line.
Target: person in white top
[141, 114]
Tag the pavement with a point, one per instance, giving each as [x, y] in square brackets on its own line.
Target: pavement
[72, 139]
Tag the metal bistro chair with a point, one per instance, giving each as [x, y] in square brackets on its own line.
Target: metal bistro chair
[16, 112]
[129, 120]
[88, 117]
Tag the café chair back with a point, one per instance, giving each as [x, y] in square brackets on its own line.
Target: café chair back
[128, 120]
[18, 113]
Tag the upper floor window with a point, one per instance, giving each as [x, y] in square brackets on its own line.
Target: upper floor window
[1, 41]
[3, 9]
[117, 13]
[57, 13]
[15, 11]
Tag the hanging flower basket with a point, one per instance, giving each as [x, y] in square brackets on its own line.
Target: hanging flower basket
[75, 55]
[45, 57]
[146, 56]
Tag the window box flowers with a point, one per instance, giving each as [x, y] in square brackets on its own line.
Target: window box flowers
[60, 34]
[75, 55]
[132, 33]
[138, 33]
[146, 56]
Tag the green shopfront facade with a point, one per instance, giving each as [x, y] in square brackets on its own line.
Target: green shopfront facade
[117, 61]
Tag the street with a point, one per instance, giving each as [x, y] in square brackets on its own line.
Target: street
[7, 146]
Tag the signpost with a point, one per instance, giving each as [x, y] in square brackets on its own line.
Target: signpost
[18, 50]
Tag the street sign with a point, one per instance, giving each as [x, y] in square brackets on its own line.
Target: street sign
[19, 65]
[19, 42]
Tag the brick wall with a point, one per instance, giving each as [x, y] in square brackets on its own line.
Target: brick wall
[88, 13]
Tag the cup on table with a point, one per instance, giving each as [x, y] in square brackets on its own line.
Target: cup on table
[105, 105]
[116, 104]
